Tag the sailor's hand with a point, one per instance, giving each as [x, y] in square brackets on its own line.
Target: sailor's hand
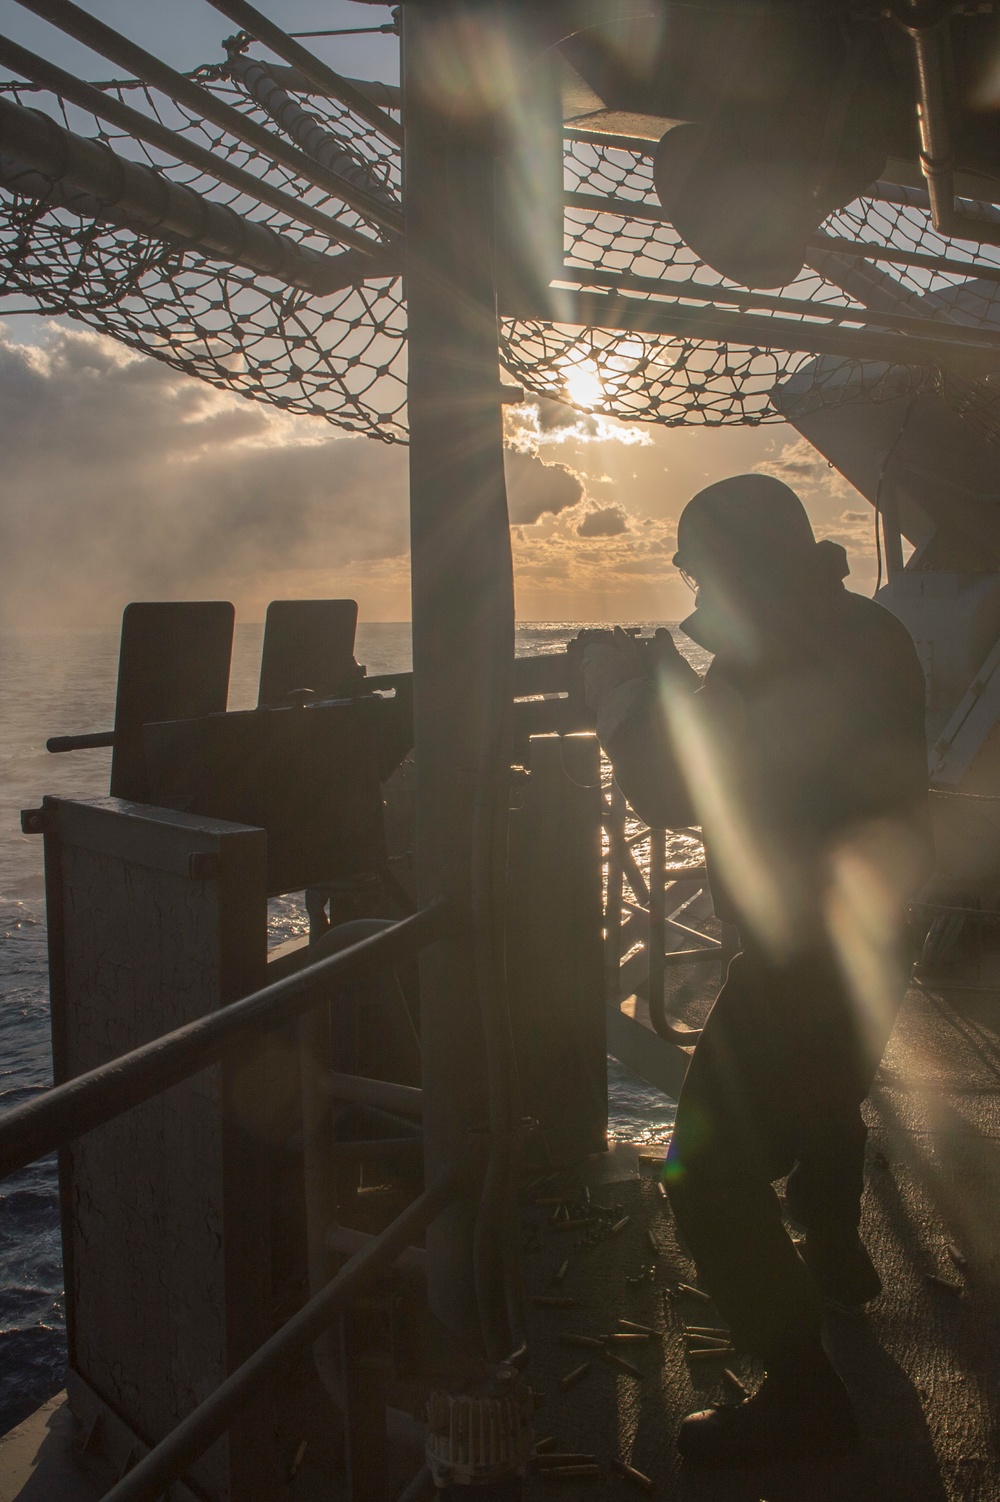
[605, 665]
[663, 652]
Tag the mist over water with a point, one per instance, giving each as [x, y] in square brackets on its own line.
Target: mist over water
[63, 682]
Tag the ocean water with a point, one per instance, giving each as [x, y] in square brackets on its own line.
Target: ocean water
[61, 683]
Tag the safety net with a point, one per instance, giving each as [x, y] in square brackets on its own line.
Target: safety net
[881, 294]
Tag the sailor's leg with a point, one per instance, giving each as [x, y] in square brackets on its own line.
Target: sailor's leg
[838, 1055]
[730, 1141]
[733, 1136]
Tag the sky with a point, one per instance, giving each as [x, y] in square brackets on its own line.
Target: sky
[123, 479]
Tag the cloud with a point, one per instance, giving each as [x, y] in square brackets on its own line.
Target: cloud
[535, 487]
[855, 530]
[123, 479]
[606, 521]
[541, 422]
[804, 468]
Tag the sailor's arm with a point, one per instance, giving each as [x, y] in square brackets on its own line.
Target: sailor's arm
[632, 723]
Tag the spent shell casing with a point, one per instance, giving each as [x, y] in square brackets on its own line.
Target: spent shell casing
[563, 1270]
[631, 1324]
[710, 1353]
[945, 1284]
[555, 1301]
[570, 1472]
[696, 1293]
[637, 1478]
[620, 1225]
[296, 1465]
[653, 1243]
[547, 1442]
[629, 1337]
[622, 1364]
[707, 1341]
[719, 1330]
[957, 1256]
[734, 1384]
[588, 1342]
[661, 1189]
[571, 1378]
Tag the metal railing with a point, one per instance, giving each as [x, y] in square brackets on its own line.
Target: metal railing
[643, 933]
[90, 1100]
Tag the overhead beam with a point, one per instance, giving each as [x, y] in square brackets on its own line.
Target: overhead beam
[322, 145]
[640, 315]
[139, 198]
[643, 210]
[145, 128]
[94, 34]
[319, 74]
[700, 292]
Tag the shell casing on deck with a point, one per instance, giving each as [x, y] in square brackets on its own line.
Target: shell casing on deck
[629, 1472]
[578, 1372]
[622, 1364]
[633, 1325]
[696, 1293]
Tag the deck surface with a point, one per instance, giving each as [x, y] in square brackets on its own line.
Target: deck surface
[923, 1363]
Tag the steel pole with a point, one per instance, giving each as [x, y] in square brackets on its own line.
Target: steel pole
[462, 590]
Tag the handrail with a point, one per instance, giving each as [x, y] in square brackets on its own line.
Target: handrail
[194, 1434]
[89, 1100]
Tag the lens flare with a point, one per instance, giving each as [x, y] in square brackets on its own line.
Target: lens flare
[872, 877]
[759, 881]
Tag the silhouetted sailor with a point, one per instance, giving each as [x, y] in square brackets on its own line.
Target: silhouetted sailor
[801, 754]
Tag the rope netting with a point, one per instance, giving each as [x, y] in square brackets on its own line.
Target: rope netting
[342, 356]
[677, 380]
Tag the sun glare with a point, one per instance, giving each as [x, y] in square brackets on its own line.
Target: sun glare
[583, 384]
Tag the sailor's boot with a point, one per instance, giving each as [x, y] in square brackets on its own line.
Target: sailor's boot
[801, 1411]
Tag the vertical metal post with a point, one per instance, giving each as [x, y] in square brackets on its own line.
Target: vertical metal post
[462, 588]
[892, 537]
[615, 826]
[656, 942]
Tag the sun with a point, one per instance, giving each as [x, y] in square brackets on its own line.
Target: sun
[584, 386]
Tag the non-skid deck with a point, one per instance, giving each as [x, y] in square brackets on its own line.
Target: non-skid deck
[923, 1364]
